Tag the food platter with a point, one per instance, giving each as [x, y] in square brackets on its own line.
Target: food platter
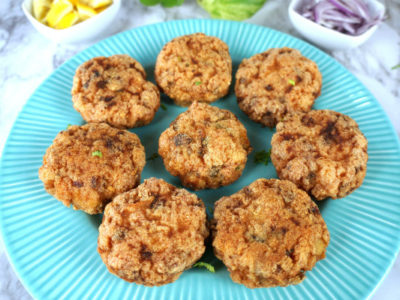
[53, 248]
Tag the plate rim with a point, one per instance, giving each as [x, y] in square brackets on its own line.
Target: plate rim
[6, 243]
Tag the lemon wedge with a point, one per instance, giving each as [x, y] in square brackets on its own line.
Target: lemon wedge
[68, 20]
[99, 10]
[98, 3]
[84, 11]
[58, 10]
[60, 14]
[40, 9]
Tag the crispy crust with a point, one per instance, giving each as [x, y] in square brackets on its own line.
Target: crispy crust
[74, 176]
[194, 67]
[269, 234]
[206, 147]
[279, 81]
[114, 90]
[151, 234]
[323, 152]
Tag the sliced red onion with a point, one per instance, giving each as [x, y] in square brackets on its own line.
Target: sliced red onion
[320, 9]
[360, 7]
[342, 7]
[347, 27]
[308, 14]
[366, 26]
[347, 16]
[336, 17]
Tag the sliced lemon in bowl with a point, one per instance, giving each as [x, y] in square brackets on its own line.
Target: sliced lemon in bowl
[99, 10]
[40, 9]
[58, 10]
[68, 20]
[60, 14]
[85, 11]
[99, 3]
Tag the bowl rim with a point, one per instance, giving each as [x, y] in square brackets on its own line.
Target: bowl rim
[27, 9]
[380, 7]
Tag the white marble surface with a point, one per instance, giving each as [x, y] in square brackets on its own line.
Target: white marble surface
[27, 58]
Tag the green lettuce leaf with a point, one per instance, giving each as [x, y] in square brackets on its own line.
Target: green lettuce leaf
[237, 10]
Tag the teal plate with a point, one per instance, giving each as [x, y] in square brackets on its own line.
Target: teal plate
[53, 248]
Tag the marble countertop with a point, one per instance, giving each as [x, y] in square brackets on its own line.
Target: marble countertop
[27, 58]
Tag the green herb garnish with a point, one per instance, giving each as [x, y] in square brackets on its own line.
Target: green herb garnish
[292, 82]
[208, 266]
[262, 157]
[209, 210]
[163, 106]
[153, 156]
[165, 3]
[396, 67]
[97, 153]
[197, 83]
[68, 126]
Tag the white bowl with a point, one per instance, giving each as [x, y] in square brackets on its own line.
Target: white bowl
[82, 32]
[329, 38]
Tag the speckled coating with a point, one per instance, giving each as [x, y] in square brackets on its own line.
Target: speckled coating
[206, 147]
[151, 234]
[194, 67]
[114, 90]
[73, 175]
[276, 82]
[269, 234]
[323, 152]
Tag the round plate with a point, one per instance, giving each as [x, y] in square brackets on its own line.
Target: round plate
[53, 248]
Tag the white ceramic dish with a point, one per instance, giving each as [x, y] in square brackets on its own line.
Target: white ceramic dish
[327, 38]
[85, 31]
